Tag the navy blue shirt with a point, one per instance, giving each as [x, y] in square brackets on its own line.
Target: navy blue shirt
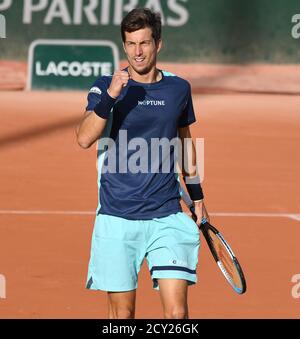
[151, 112]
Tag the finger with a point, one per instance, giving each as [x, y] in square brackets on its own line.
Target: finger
[199, 220]
[124, 75]
[124, 78]
[121, 82]
[204, 212]
[117, 74]
[124, 72]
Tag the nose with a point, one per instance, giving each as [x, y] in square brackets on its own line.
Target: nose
[138, 50]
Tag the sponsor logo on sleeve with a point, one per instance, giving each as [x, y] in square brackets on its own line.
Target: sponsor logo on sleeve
[96, 90]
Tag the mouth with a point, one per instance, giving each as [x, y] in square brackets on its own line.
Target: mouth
[139, 60]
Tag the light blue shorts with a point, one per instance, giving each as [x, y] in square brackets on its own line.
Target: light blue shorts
[119, 246]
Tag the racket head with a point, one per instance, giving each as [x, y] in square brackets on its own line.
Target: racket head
[223, 255]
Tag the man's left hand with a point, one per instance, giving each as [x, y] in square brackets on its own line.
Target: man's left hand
[200, 211]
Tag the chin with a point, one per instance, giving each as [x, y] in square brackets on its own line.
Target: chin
[141, 70]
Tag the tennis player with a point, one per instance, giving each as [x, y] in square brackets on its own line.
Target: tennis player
[139, 214]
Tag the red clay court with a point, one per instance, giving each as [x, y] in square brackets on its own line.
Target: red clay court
[49, 197]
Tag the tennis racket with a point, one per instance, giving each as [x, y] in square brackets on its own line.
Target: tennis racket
[221, 251]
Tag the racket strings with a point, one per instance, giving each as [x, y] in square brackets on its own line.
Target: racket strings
[226, 261]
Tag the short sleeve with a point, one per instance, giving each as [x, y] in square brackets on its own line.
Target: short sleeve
[94, 95]
[187, 116]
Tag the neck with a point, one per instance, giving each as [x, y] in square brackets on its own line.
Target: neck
[152, 76]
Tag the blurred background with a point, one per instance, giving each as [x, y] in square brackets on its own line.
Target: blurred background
[226, 32]
[217, 31]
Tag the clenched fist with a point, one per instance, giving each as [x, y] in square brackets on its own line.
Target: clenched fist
[119, 80]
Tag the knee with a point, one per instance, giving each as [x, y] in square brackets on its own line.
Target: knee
[123, 313]
[176, 313]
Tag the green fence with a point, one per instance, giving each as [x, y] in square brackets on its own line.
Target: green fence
[194, 30]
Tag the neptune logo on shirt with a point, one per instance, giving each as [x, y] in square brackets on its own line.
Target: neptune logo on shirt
[152, 103]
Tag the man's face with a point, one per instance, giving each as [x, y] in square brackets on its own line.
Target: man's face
[141, 50]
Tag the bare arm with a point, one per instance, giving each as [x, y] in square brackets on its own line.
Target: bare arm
[89, 129]
[92, 125]
[190, 168]
[188, 153]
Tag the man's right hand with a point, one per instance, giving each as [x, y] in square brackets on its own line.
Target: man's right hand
[119, 80]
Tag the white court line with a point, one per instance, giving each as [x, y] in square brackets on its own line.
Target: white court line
[294, 216]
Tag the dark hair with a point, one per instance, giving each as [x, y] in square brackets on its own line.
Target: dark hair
[140, 18]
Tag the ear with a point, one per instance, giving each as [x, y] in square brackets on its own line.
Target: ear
[159, 45]
[123, 44]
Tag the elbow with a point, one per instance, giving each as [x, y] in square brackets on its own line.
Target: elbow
[84, 145]
[83, 142]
